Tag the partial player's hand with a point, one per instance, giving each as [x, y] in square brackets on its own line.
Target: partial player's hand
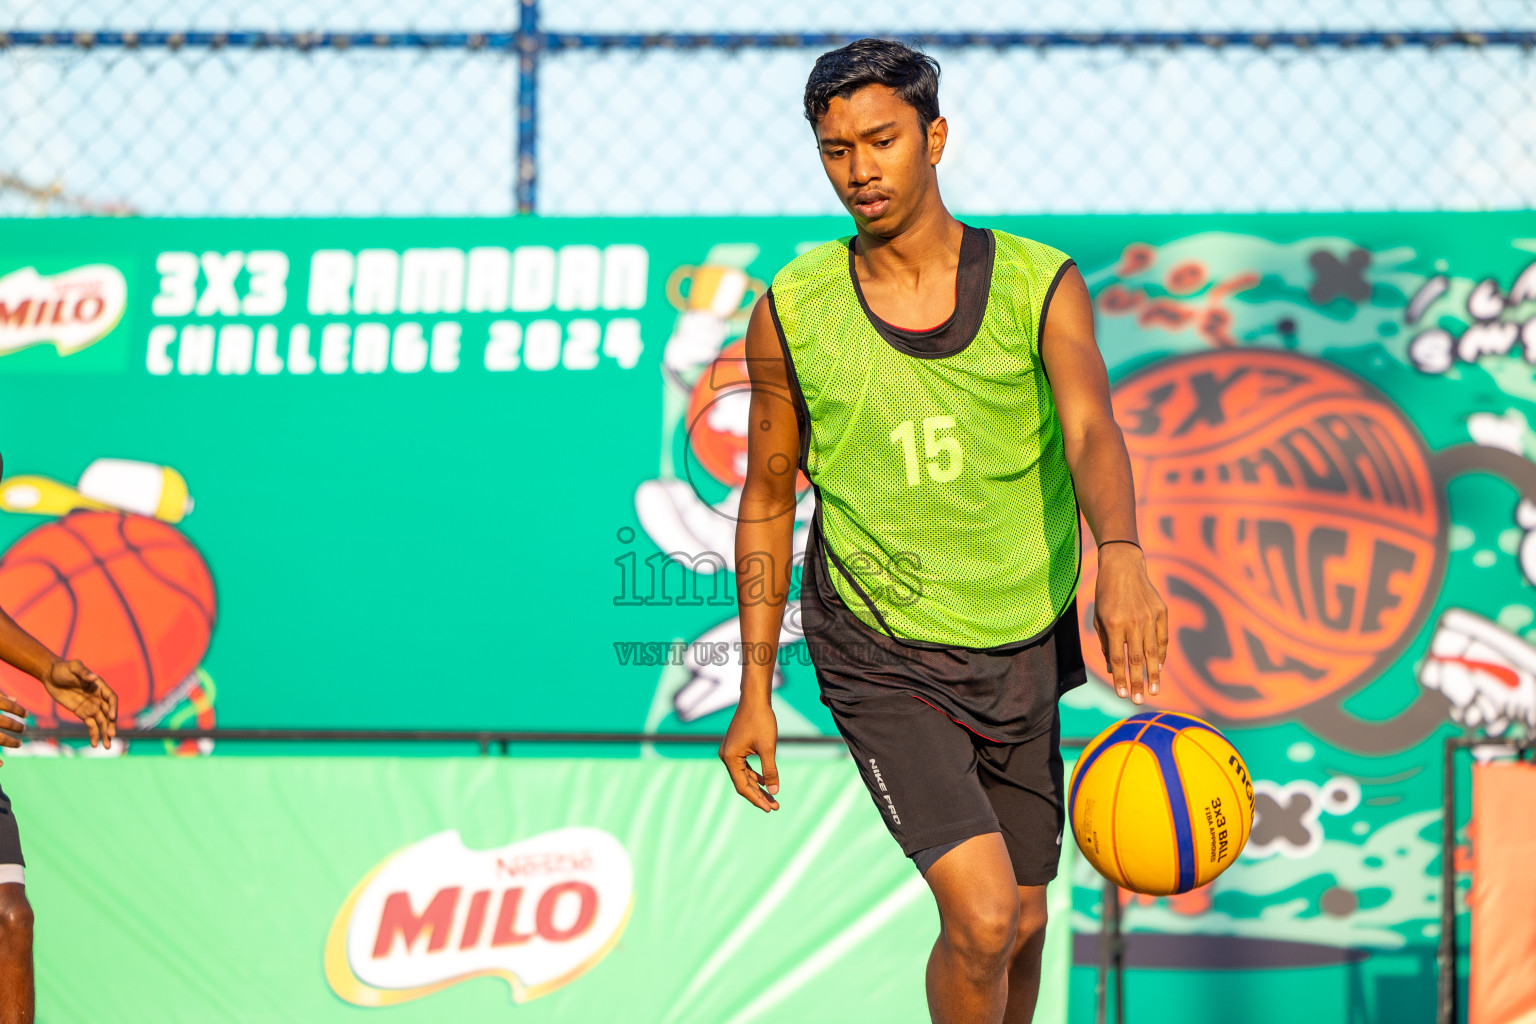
[1132, 622]
[753, 730]
[10, 728]
[85, 695]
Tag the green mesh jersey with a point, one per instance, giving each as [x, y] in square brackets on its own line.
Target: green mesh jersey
[944, 499]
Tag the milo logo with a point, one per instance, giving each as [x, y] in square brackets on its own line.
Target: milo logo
[71, 310]
[539, 913]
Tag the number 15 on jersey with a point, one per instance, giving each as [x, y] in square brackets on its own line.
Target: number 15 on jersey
[943, 453]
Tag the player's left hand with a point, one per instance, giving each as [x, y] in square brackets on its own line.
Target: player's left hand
[1131, 620]
[85, 695]
[11, 728]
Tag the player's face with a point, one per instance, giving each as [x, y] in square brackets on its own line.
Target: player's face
[878, 157]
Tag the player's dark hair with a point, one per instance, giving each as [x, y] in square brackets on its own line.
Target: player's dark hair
[842, 72]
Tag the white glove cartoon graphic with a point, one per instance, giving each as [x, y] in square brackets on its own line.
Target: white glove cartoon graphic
[695, 342]
[686, 527]
[1486, 672]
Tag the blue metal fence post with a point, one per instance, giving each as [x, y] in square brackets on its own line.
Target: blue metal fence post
[529, 48]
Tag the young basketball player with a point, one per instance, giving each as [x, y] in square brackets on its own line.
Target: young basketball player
[940, 387]
[84, 694]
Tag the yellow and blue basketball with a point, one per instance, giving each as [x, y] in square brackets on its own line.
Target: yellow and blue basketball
[1161, 803]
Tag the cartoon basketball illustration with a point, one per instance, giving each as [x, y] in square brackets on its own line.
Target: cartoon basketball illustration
[718, 411]
[717, 416]
[1295, 522]
[115, 584]
[128, 595]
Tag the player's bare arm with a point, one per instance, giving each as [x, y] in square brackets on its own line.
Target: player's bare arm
[1129, 614]
[764, 551]
[76, 688]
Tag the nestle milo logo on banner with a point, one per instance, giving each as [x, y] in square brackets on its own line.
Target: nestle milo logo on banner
[539, 912]
[70, 310]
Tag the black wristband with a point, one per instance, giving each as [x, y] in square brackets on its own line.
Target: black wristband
[1130, 542]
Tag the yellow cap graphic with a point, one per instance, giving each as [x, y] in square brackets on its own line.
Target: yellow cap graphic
[142, 487]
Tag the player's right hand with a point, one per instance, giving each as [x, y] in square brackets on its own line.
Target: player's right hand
[753, 730]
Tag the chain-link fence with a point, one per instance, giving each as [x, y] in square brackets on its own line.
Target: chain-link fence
[426, 107]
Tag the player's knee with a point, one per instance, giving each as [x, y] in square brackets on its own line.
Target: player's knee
[15, 918]
[1031, 930]
[983, 933]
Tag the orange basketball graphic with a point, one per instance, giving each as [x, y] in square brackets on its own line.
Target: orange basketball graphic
[128, 595]
[1291, 520]
[718, 413]
[717, 416]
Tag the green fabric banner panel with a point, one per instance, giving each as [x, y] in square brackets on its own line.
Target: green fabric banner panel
[277, 889]
[322, 453]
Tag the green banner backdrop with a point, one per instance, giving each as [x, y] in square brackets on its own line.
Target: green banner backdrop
[481, 473]
[354, 889]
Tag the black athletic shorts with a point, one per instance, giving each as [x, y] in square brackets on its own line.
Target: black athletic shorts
[12, 867]
[938, 783]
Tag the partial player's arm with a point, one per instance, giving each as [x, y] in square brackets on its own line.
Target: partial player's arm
[1130, 616]
[75, 687]
[765, 529]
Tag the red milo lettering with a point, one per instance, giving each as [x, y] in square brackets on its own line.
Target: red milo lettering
[585, 912]
[474, 920]
[506, 933]
[399, 918]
